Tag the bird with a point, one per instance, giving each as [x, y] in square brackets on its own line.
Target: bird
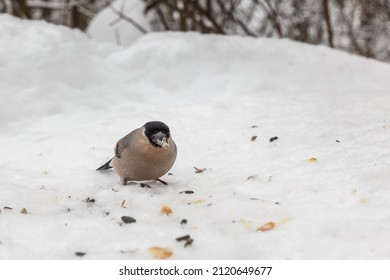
[145, 154]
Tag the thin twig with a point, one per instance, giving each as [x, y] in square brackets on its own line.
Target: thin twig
[230, 12]
[128, 19]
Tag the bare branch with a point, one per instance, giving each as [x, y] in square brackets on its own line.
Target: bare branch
[207, 14]
[325, 9]
[233, 18]
[128, 19]
[272, 15]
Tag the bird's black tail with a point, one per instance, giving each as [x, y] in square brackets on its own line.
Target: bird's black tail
[105, 166]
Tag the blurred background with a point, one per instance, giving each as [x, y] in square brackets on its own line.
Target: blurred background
[357, 26]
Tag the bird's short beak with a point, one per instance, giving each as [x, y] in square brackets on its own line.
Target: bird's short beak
[160, 139]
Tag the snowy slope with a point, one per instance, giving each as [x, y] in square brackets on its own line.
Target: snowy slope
[66, 100]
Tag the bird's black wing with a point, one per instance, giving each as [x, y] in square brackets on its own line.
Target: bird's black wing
[117, 150]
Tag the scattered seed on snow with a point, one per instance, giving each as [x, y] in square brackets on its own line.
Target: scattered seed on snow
[143, 185]
[80, 254]
[128, 220]
[313, 160]
[183, 238]
[187, 192]
[199, 170]
[187, 238]
[252, 177]
[166, 210]
[89, 200]
[266, 227]
[198, 201]
[188, 242]
[160, 253]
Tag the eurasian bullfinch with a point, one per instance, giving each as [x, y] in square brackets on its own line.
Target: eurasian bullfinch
[146, 153]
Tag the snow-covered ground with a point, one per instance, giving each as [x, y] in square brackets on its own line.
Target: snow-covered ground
[66, 99]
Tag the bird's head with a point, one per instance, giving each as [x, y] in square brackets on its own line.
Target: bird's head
[157, 133]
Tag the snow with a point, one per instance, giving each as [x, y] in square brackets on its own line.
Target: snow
[66, 99]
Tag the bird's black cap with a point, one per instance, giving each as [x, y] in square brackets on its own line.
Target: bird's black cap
[154, 127]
